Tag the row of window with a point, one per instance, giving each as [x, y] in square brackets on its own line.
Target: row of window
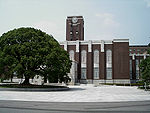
[137, 50]
[96, 67]
[96, 57]
[96, 73]
[96, 61]
[137, 62]
[71, 32]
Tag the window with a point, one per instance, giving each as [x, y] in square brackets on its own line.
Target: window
[137, 69]
[83, 57]
[96, 57]
[108, 64]
[96, 73]
[109, 58]
[83, 73]
[130, 69]
[109, 73]
[138, 50]
[96, 64]
[137, 64]
[130, 49]
[71, 55]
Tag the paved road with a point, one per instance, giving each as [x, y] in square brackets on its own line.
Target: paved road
[76, 107]
[81, 94]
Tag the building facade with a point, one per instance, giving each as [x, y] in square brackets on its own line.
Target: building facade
[101, 61]
[97, 61]
[137, 53]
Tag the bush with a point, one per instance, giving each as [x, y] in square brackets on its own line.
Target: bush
[117, 84]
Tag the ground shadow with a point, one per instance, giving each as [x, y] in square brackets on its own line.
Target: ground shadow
[76, 89]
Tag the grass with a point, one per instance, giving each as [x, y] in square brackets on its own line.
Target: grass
[29, 86]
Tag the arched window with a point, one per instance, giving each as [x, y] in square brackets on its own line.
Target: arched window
[109, 58]
[96, 64]
[83, 64]
[71, 55]
[83, 57]
[109, 64]
[96, 57]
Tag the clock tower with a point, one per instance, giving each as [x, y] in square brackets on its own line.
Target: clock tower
[74, 28]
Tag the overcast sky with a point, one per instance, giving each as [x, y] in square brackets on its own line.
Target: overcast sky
[104, 19]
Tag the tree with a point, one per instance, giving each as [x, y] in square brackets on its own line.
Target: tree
[27, 52]
[149, 45]
[145, 69]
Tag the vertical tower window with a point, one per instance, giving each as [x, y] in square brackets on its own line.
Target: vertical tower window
[71, 55]
[130, 69]
[137, 69]
[83, 57]
[83, 73]
[96, 57]
[96, 72]
[109, 64]
[109, 58]
[83, 64]
[96, 64]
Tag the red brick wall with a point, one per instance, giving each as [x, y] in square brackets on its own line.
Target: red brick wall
[79, 27]
[121, 60]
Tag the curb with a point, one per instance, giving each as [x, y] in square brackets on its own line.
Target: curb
[35, 89]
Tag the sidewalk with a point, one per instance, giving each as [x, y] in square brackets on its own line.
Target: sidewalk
[83, 93]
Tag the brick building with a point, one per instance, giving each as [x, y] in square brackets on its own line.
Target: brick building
[137, 53]
[100, 61]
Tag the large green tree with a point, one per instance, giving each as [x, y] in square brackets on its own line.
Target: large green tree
[26, 52]
[145, 69]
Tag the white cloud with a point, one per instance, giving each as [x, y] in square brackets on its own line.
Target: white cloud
[56, 29]
[107, 20]
[147, 2]
[103, 26]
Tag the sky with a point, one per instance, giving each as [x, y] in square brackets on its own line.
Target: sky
[103, 19]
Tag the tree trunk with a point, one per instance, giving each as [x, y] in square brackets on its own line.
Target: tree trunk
[45, 79]
[11, 80]
[26, 81]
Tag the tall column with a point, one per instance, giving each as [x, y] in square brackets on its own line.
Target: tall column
[78, 59]
[65, 45]
[89, 61]
[133, 67]
[102, 61]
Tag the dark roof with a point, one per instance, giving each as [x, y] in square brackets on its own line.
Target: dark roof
[74, 16]
[138, 45]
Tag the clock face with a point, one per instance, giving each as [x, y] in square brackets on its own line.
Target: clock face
[74, 20]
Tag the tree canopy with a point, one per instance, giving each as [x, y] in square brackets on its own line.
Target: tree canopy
[26, 52]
